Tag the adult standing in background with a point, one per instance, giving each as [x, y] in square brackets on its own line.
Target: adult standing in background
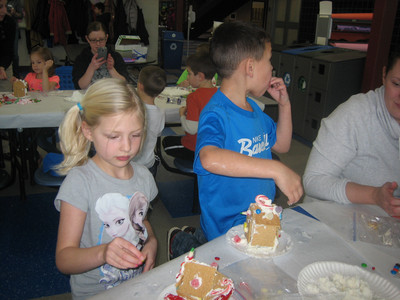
[14, 8]
[356, 158]
[88, 67]
[7, 36]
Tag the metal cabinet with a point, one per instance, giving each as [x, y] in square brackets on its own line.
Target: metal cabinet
[334, 78]
[317, 82]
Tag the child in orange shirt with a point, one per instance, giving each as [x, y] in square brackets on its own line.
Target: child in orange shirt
[42, 78]
[201, 71]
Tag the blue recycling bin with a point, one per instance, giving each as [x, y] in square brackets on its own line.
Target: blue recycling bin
[172, 49]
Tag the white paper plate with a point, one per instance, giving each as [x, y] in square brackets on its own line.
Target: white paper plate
[168, 290]
[381, 288]
[76, 97]
[285, 244]
[171, 91]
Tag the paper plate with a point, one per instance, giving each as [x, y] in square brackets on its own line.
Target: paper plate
[76, 97]
[172, 290]
[170, 91]
[380, 287]
[285, 244]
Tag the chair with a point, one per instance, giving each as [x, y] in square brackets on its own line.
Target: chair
[65, 74]
[183, 167]
[46, 179]
[44, 175]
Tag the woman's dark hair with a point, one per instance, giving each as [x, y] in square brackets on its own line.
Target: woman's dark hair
[394, 56]
[95, 26]
[46, 55]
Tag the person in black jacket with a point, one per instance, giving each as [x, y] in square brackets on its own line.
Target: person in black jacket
[88, 68]
[7, 35]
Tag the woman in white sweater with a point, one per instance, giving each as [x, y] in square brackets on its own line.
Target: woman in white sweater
[356, 158]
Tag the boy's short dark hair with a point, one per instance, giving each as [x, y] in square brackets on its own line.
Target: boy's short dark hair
[200, 62]
[100, 6]
[154, 80]
[235, 41]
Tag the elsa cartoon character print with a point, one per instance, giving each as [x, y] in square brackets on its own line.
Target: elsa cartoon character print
[114, 210]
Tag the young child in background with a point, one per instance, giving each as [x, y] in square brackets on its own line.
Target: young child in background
[100, 15]
[152, 81]
[183, 81]
[42, 78]
[201, 71]
[233, 152]
[111, 116]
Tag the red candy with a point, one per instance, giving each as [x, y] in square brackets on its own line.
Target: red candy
[195, 283]
[237, 239]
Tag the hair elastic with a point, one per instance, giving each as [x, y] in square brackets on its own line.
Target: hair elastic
[79, 106]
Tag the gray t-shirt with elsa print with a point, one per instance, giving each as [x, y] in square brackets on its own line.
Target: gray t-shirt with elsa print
[105, 198]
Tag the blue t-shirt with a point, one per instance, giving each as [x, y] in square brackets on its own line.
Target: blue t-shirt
[227, 126]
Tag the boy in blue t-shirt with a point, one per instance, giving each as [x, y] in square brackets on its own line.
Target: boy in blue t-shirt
[235, 138]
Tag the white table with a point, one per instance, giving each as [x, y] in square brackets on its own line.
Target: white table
[172, 109]
[49, 112]
[312, 241]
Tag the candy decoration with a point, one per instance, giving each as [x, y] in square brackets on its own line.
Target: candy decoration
[195, 282]
[214, 264]
[191, 254]
[217, 258]
[258, 211]
[237, 239]
[395, 269]
[364, 265]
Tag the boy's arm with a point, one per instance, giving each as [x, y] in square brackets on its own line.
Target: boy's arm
[284, 126]
[229, 163]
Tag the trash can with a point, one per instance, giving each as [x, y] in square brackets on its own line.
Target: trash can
[172, 49]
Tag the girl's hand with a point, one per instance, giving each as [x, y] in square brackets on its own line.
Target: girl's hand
[110, 62]
[278, 91]
[96, 63]
[150, 251]
[122, 254]
[48, 64]
[13, 79]
[3, 74]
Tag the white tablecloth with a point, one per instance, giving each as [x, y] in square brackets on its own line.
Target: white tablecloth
[49, 112]
[312, 241]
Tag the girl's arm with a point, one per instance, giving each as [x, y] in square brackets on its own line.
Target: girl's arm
[71, 259]
[46, 84]
[150, 248]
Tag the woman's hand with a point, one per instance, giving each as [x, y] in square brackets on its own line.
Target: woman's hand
[96, 63]
[110, 62]
[122, 254]
[385, 199]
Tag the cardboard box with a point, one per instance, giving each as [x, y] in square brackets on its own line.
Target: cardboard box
[131, 49]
